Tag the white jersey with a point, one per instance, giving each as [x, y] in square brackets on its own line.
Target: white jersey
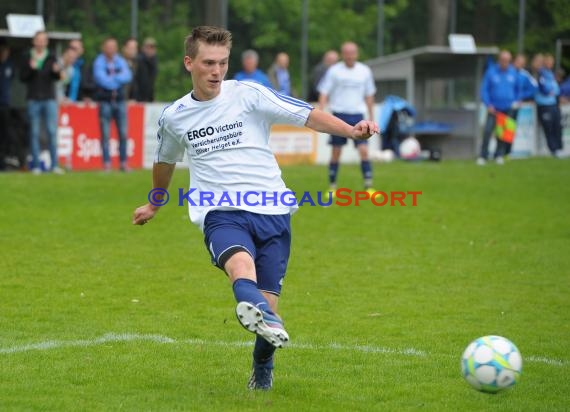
[226, 143]
[346, 87]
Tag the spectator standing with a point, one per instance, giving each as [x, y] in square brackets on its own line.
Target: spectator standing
[278, 74]
[40, 72]
[526, 84]
[547, 102]
[130, 52]
[6, 76]
[499, 92]
[526, 89]
[75, 89]
[249, 62]
[146, 72]
[348, 89]
[329, 58]
[111, 73]
[67, 68]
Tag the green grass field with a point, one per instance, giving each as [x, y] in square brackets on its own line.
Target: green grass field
[380, 302]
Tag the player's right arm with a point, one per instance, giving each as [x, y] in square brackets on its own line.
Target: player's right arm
[161, 176]
[169, 150]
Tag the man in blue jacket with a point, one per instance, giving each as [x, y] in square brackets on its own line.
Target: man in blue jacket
[499, 93]
[111, 72]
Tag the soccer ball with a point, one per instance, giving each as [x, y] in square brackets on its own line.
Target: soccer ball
[410, 148]
[491, 364]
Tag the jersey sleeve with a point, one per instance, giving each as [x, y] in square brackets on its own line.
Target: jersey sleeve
[169, 148]
[281, 108]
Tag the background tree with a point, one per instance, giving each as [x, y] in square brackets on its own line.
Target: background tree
[271, 26]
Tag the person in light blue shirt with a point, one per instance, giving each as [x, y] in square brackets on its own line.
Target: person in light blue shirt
[111, 73]
[249, 62]
[499, 92]
[547, 102]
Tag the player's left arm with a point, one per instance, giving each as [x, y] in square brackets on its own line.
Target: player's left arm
[327, 123]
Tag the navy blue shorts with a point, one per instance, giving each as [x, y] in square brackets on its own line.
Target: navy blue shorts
[267, 238]
[351, 119]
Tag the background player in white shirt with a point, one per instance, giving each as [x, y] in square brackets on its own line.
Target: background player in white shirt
[223, 126]
[348, 88]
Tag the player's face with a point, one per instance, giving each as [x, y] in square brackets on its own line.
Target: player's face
[208, 69]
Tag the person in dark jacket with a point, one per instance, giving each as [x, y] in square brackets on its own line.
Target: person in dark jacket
[40, 72]
[146, 72]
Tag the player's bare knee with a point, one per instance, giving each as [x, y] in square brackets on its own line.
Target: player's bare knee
[240, 265]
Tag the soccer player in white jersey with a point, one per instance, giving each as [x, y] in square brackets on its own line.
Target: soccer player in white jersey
[348, 89]
[223, 127]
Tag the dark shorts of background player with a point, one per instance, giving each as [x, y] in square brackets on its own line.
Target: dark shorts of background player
[351, 119]
[267, 238]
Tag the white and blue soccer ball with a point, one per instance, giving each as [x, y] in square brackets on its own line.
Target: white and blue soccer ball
[491, 364]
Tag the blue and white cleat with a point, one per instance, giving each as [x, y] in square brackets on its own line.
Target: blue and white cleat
[268, 326]
[261, 377]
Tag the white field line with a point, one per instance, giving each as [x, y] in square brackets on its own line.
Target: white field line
[130, 337]
[107, 338]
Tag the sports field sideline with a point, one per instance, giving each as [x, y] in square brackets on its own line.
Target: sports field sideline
[380, 302]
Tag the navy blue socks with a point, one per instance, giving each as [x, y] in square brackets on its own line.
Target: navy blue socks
[245, 290]
[366, 168]
[263, 352]
[333, 172]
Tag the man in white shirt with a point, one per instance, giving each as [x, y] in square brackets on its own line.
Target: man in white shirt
[348, 89]
[223, 127]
